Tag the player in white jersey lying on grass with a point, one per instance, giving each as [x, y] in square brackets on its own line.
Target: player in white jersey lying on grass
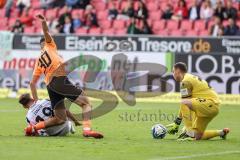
[42, 110]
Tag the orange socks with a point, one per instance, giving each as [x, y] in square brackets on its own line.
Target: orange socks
[87, 125]
[40, 125]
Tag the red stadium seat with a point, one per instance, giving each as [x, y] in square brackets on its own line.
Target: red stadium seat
[35, 4]
[95, 31]
[117, 5]
[118, 24]
[11, 21]
[152, 6]
[186, 25]
[100, 6]
[39, 30]
[225, 23]
[50, 13]
[121, 31]
[4, 27]
[123, 5]
[15, 14]
[176, 33]
[105, 24]
[38, 11]
[150, 22]
[102, 15]
[162, 32]
[163, 5]
[82, 31]
[210, 24]
[203, 33]
[200, 25]
[155, 16]
[136, 5]
[238, 23]
[159, 25]
[31, 11]
[109, 31]
[190, 33]
[29, 30]
[78, 13]
[2, 13]
[4, 21]
[172, 25]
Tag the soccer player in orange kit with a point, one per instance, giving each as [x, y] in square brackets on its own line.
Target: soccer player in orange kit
[59, 87]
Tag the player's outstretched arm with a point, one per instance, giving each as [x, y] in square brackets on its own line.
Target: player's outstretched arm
[46, 33]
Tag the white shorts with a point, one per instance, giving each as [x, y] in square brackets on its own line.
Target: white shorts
[59, 130]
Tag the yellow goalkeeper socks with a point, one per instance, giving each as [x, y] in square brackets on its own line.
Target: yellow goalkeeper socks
[208, 134]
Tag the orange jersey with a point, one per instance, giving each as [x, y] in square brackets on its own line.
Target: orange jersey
[49, 63]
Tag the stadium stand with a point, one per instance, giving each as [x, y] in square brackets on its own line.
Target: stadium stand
[93, 17]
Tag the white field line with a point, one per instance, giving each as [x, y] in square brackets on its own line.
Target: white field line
[198, 155]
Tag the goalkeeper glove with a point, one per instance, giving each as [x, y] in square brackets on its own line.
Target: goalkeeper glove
[173, 127]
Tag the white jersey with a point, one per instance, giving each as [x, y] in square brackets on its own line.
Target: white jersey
[39, 111]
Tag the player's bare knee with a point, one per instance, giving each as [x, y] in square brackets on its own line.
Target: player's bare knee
[82, 101]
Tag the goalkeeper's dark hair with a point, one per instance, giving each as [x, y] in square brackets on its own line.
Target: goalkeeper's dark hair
[181, 65]
[24, 99]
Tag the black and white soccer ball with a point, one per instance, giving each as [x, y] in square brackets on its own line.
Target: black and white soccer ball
[159, 131]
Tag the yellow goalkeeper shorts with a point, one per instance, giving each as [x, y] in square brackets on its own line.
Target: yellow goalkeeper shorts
[205, 110]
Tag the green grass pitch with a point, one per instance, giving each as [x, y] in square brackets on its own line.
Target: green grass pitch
[125, 137]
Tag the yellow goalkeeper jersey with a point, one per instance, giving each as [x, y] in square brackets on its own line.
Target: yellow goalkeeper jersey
[194, 87]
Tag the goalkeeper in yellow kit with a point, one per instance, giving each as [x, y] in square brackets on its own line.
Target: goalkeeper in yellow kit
[199, 105]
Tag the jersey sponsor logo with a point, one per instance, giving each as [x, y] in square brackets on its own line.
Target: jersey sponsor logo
[184, 92]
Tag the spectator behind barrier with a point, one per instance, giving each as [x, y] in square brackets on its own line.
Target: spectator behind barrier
[67, 27]
[17, 27]
[206, 12]
[112, 12]
[231, 29]
[142, 11]
[128, 11]
[216, 29]
[145, 29]
[168, 12]
[23, 4]
[26, 18]
[194, 11]
[52, 24]
[181, 11]
[66, 12]
[220, 10]
[132, 28]
[83, 3]
[230, 10]
[90, 17]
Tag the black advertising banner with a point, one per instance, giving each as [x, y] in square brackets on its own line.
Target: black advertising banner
[140, 44]
[221, 71]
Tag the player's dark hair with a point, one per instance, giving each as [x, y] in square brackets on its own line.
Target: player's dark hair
[182, 66]
[42, 39]
[24, 99]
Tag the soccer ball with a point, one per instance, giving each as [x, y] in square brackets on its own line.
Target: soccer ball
[159, 131]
